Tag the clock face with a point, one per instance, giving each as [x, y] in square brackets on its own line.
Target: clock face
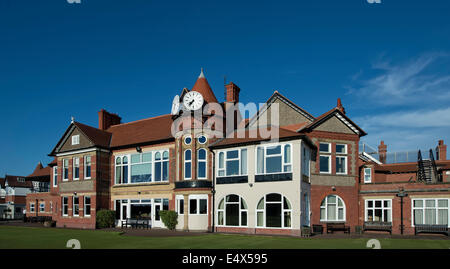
[193, 100]
[175, 105]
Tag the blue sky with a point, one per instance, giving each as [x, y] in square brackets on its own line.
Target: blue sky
[388, 62]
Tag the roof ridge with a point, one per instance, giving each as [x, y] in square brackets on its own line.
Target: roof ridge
[122, 124]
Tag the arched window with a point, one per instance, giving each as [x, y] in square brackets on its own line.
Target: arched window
[201, 163]
[232, 211]
[273, 211]
[162, 166]
[187, 164]
[332, 209]
[122, 170]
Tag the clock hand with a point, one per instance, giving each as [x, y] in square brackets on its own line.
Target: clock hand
[191, 102]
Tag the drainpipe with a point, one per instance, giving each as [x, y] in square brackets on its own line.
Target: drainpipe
[213, 189]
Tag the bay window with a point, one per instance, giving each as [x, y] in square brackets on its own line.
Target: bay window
[379, 210]
[144, 167]
[232, 211]
[232, 163]
[274, 211]
[431, 211]
[274, 159]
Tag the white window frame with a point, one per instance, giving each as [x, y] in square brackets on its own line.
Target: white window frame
[179, 198]
[329, 164]
[337, 209]
[84, 206]
[198, 197]
[55, 176]
[225, 159]
[383, 208]
[204, 161]
[283, 162]
[184, 164]
[282, 212]
[186, 137]
[65, 176]
[152, 162]
[41, 207]
[75, 140]
[345, 165]
[32, 208]
[370, 174]
[73, 206]
[63, 206]
[329, 147]
[436, 208]
[85, 166]
[224, 211]
[75, 160]
[198, 139]
[345, 148]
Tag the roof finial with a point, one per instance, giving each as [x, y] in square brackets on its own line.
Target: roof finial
[201, 74]
[339, 105]
[72, 119]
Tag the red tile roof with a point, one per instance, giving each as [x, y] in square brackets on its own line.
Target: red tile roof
[202, 86]
[2, 182]
[98, 137]
[40, 171]
[246, 137]
[295, 127]
[397, 167]
[141, 131]
[13, 182]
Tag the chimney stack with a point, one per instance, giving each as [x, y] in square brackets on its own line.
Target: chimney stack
[441, 151]
[106, 119]
[382, 150]
[232, 93]
[339, 105]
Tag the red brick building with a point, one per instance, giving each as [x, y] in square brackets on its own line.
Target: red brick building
[314, 174]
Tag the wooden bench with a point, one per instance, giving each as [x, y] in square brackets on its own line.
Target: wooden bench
[331, 227]
[317, 229]
[377, 226]
[431, 228]
[136, 223]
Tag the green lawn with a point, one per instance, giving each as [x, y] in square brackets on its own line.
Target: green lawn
[41, 238]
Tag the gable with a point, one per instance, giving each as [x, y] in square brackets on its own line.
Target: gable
[66, 144]
[288, 114]
[335, 125]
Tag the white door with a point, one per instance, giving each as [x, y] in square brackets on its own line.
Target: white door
[156, 218]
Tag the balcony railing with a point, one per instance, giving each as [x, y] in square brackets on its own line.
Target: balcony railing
[409, 156]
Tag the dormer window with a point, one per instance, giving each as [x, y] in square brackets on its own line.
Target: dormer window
[75, 140]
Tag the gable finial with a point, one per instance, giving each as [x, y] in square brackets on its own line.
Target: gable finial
[72, 119]
[202, 75]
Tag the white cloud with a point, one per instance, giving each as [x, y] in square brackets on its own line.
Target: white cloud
[407, 83]
[409, 119]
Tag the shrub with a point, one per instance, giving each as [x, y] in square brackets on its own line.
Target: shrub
[169, 218]
[105, 218]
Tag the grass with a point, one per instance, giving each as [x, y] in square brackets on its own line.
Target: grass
[46, 238]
